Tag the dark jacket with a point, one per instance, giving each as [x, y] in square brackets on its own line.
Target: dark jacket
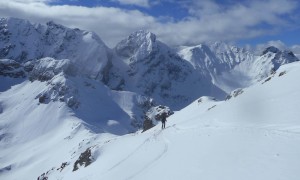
[164, 117]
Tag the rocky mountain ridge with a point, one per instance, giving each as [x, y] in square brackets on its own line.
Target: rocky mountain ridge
[139, 64]
[22, 41]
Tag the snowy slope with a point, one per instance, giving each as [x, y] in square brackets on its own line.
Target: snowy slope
[62, 108]
[255, 135]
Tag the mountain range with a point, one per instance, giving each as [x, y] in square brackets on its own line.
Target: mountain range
[66, 86]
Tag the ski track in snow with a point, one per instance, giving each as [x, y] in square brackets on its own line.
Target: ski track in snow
[159, 156]
[133, 152]
[280, 132]
[155, 136]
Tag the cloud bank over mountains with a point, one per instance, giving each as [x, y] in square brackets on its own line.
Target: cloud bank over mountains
[204, 20]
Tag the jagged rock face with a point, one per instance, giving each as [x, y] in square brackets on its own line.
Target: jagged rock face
[85, 159]
[46, 68]
[271, 49]
[59, 89]
[214, 59]
[230, 55]
[55, 73]
[270, 60]
[22, 41]
[155, 70]
[230, 67]
[11, 68]
[140, 63]
[278, 57]
[235, 93]
[201, 57]
[137, 46]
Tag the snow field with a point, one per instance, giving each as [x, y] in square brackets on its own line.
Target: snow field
[255, 135]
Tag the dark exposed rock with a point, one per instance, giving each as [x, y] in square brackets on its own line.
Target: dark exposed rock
[46, 68]
[147, 124]
[282, 73]
[85, 159]
[211, 107]
[46, 175]
[4, 169]
[42, 99]
[57, 91]
[205, 98]
[154, 115]
[11, 68]
[161, 110]
[270, 49]
[28, 66]
[234, 93]
[266, 80]
[63, 165]
[72, 102]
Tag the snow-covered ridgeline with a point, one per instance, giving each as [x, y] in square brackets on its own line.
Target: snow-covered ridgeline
[140, 63]
[22, 41]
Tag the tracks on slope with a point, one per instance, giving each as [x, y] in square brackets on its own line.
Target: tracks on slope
[141, 169]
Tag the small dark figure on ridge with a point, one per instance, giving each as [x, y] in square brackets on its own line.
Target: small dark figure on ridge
[163, 120]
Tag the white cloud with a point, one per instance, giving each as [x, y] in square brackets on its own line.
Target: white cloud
[30, 1]
[111, 24]
[279, 44]
[142, 3]
[207, 21]
[296, 50]
[212, 21]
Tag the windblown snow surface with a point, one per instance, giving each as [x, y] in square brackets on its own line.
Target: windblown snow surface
[253, 135]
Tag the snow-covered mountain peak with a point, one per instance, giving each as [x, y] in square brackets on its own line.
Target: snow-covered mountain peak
[220, 47]
[215, 58]
[8, 21]
[199, 48]
[270, 49]
[155, 70]
[69, 32]
[138, 45]
[200, 56]
[23, 41]
[142, 35]
[53, 25]
[277, 57]
[286, 54]
[11, 26]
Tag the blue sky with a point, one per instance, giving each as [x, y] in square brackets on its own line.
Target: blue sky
[175, 22]
[158, 9]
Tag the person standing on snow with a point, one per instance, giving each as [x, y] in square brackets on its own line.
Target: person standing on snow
[163, 120]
